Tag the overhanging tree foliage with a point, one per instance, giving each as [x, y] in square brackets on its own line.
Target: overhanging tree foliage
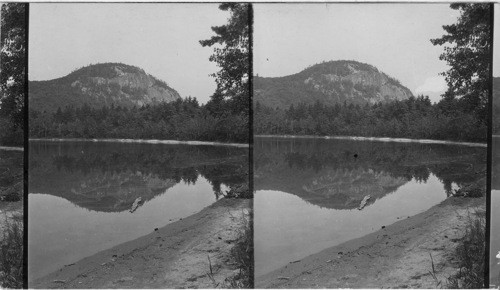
[232, 55]
[12, 71]
[467, 51]
[12, 59]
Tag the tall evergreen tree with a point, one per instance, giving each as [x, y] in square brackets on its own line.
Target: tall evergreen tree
[467, 49]
[232, 54]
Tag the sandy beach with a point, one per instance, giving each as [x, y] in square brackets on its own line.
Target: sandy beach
[396, 256]
[193, 252]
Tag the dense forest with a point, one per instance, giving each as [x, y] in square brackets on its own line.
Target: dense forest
[449, 119]
[184, 119]
[11, 134]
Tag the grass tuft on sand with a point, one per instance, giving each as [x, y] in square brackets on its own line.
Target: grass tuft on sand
[242, 254]
[470, 254]
[11, 254]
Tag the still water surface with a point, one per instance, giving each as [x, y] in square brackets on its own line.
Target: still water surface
[308, 190]
[81, 193]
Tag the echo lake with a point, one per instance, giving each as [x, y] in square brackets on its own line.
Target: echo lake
[309, 191]
[81, 193]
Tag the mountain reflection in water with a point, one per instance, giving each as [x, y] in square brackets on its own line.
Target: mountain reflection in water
[308, 190]
[109, 177]
[338, 174]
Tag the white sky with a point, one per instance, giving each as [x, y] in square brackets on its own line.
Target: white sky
[393, 37]
[163, 39]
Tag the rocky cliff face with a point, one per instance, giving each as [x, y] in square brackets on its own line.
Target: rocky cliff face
[99, 85]
[330, 83]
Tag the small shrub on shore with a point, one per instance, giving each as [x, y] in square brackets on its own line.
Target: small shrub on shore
[470, 254]
[241, 191]
[12, 194]
[475, 189]
[11, 255]
[242, 254]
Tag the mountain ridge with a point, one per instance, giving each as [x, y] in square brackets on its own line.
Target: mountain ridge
[330, 83]
[98, 85]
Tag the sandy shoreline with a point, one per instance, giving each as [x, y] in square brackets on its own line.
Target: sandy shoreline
[174, 256]
[379, 139]
[141, 141]
[396, 256]
[11, 148]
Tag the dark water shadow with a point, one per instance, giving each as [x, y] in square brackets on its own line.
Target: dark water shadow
[110, 177]
[338, 174]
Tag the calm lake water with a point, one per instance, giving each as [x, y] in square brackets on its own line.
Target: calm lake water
[495, 214]
[81, 193]
[308, 190]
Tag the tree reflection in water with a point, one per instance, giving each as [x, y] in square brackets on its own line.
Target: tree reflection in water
[110, 176]
[340, 173]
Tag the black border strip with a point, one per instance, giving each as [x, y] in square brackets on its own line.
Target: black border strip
[250, 130]
[26, 149]
[489, 155]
